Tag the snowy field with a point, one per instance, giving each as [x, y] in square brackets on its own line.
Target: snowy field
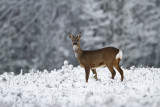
[66, 87]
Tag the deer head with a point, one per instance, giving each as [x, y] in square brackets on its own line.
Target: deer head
[75, 41]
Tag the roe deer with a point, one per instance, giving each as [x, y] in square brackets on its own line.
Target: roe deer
[106, 57]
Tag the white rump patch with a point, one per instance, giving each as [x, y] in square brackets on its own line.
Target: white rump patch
[119, 55]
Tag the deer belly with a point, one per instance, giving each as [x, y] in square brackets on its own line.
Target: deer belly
[95, 67]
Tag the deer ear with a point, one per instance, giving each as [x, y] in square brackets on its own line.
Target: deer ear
[70, 35]
[79, 35]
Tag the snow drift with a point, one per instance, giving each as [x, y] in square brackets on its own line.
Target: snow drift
[66, 87]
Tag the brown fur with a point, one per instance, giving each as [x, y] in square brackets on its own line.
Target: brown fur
[96, 58]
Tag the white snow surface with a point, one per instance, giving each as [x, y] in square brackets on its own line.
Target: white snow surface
[66, 87]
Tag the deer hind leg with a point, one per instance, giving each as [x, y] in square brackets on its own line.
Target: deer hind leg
[87, 71]
[113, 72]
[95, 74]
[116, 65]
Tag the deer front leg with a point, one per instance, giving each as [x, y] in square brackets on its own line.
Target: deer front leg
[87, 71]
[95, 74]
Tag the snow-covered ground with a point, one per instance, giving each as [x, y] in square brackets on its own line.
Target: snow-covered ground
[66, 87]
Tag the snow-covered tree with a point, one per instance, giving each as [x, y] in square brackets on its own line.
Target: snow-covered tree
[34, 33]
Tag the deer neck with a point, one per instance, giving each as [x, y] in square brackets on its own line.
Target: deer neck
[78, 52]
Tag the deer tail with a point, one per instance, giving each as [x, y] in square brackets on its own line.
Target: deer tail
[119, 55]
